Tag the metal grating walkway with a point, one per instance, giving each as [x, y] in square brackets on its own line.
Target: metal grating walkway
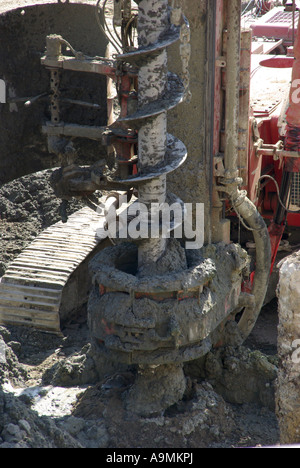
[283, 17]
[295, 192]
[31, 288]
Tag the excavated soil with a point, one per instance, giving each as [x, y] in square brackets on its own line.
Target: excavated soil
[55, 393]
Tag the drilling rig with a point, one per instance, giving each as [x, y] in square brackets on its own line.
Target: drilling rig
[156, 304]
[160, 301]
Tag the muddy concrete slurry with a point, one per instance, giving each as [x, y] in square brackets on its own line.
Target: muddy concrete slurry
[36, 413]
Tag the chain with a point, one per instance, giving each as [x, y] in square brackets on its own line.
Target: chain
[185, 54]
[177, 19]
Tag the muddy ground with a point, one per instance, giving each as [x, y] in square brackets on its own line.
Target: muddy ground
[53, 393]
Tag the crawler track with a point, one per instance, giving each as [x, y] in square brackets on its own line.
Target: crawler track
[32, 288]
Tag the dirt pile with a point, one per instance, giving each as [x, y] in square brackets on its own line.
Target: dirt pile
[242, 375]
[28, 408]
[27, 206]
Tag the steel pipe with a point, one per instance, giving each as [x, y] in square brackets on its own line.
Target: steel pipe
[232, 88]
[244, 208]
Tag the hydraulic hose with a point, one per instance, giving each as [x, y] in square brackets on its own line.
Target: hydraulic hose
[248, 212]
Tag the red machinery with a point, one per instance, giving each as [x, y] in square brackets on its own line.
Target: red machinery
[279, 23]
[273, 182]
